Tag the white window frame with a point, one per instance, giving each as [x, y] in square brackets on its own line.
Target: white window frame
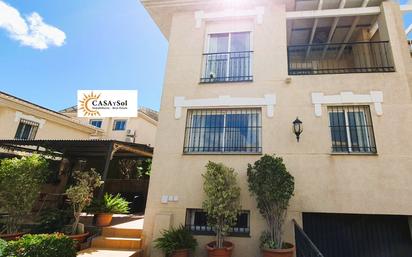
[34, 128]
[346, 109]
[116, 120]
[91, 121]
[230, 32]
[187, 142]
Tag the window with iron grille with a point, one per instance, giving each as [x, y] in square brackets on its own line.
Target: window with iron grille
[26, 130]
[223, 131]
[351, 129]
[196, 222]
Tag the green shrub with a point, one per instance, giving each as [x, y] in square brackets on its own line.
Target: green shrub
[20, 183]
[3, 245]
[53, 220]
[272, 186]
[42, 245]
[222, 202]
[175, 239]
[109, 204]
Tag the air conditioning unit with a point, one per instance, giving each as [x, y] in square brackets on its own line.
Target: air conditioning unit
[130, 132]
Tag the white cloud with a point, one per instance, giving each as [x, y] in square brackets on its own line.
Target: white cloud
[31, 31]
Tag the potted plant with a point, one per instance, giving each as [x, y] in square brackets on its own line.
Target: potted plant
[222, 205]
[176, 242]
[80, 196]
[104, 209]
[272, 186]
[20, 183]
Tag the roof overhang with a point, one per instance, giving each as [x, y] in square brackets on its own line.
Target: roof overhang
[16, 103]
[77, 148]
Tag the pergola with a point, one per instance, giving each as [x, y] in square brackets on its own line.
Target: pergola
[106, 149]
[338, 20]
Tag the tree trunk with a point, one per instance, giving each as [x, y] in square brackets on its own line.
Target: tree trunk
[76, 222]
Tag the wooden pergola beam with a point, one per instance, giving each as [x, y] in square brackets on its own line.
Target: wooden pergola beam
[315, 25]
[333, 28]
[344, 12]
[351, 30]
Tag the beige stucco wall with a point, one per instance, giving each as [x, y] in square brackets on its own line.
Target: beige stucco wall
[53, 128]
[324, 182]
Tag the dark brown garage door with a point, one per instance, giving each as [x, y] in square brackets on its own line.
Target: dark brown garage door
[351, 235]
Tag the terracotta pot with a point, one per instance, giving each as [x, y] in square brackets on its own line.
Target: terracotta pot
[289, 251]
[11, 237]
[79, 238]
[180, 253]
[102, 219]
[226, 251]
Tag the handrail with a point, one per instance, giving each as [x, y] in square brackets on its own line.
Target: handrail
[307, 240]
[236, 52]
[359, 57]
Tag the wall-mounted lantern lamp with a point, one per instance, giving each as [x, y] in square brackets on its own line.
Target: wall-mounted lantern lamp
[297, 128]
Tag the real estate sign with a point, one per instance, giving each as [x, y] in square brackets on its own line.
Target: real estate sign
[107, 103]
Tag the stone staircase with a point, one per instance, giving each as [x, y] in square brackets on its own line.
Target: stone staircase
[123, 240]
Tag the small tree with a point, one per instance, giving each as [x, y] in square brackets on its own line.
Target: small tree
[222, 202]
[20, 183]
[273, 186]
[81, 193]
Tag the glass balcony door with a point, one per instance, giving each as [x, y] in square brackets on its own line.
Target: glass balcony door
[228, 57]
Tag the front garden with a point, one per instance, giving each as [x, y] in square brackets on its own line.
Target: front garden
[270, 184]
[49, 232]
[58, 232]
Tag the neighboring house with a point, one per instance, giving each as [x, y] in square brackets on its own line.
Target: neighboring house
[21, 119]
[140, 129]
[240, 72]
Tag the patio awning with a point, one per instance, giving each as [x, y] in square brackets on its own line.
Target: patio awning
[107, 149]
[78, 148]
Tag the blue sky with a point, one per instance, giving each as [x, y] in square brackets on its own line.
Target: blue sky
[110, 44]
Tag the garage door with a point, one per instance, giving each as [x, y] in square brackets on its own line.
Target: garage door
[351, 235]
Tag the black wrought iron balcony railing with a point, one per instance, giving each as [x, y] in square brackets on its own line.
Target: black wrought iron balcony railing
[227, 67]
[338, 58]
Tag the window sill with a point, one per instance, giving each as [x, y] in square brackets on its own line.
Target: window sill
[213, 234]
[222, 153]
[226, 82]
[355, 154]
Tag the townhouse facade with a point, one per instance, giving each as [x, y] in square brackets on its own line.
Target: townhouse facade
[140, 129]
[21, 119]
[239, 73]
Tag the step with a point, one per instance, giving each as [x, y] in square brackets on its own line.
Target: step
[101, 252]
[121, 232]
[116, 242]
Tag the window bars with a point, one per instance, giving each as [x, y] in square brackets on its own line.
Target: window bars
[196, 222]
[351, 129]
[223, 131]
[27, 129]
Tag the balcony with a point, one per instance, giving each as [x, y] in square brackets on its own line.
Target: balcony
[339, 58]
[227, 67]
[410, 46]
